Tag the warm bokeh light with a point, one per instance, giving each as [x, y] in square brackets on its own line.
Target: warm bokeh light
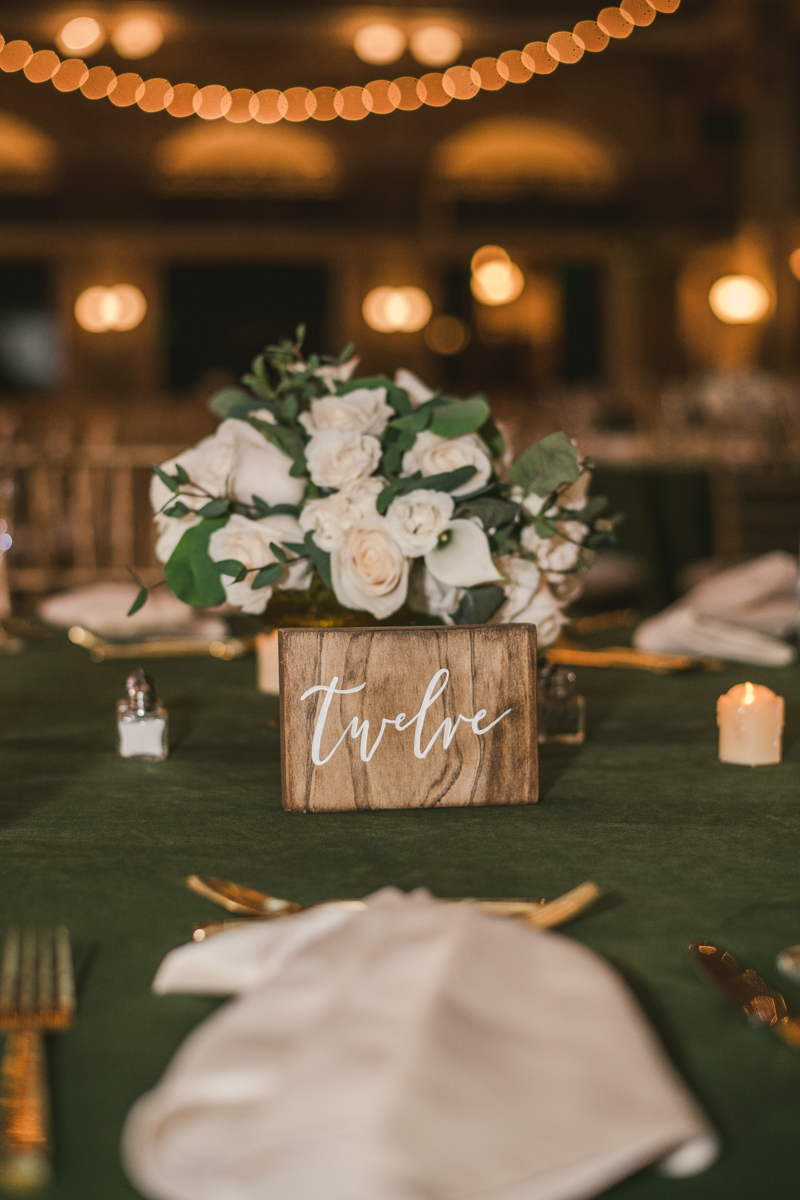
[794, 263]
[396, 309]
[379, 43]
[137, 36]
[100, 309]
[488, 254]
[739, 300]
[212, 102]
[447, 335]
[82, 34]
[497, 282]
[42, 66]
[435, 45]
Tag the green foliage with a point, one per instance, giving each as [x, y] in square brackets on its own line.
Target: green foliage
[385, 498]
[479, 604]
[448, 481]
[215, 508]
[273, 510]
[460, 418]
[178, 509]
[171, 481]
[141, 597]
[320, 559]
[233, 402]
[493, 438]
[267, 576]
[190, 573]
[233, 568]
[278, 551]
[414, 422]
[396, 397]
[493, 512]
[546, 465]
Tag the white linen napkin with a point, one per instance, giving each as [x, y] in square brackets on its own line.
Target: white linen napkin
[102, 608]
[414, 1050]
[739, 614]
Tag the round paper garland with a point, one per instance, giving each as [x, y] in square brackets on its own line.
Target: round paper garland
[326, 103]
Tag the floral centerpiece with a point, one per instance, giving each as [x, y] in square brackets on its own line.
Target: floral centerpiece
[388, 493]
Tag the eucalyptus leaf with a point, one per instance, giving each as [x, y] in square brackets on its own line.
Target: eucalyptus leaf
[278, 551]
[345, 354]
[445, 482]
[492, 512]
[321, 559]
[396, 396]
[456, 420]
[232, 402]
[260, 388]
[385, 498]
[493, 438]
[135, 577]
[415, 422]
[215, 508]
[182, 473]
[545, 527]
[479, 604]
[190, 573]
[178, 509]
[546, 465]
[139, 602]
[231, 567]
[267, 576]
[170, 481]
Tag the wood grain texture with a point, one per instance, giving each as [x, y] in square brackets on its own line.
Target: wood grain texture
[491, 667]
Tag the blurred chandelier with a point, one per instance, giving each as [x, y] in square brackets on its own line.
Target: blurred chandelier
[325, 103]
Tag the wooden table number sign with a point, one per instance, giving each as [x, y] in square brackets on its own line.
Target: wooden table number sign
[420, 717]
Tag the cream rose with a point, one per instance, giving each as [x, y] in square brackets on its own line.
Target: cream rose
[338, 457]
[557, 553]
[369, 571]
[434, 455]
[576, 495]
[330, 373]
[463, 559]
[363, 410]
[333, 517]
[416, 520]
[529, 600]
[248, 542]
[418, 392]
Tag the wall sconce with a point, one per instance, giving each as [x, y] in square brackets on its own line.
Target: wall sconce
[137, 36]
[739, 300]
[379, 43]
[495, 278]
[119, 308]
[435, 45]
[396, 310]
[82, 34]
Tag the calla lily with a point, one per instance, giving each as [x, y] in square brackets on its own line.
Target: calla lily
[464, 559]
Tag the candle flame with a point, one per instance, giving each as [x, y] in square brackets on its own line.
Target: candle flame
[749, 694]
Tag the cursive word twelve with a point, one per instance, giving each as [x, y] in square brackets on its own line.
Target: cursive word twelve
[433, 691]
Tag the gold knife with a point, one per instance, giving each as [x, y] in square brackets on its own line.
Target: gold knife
[760, 1003]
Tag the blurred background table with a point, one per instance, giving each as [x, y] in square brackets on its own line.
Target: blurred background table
[687, 847]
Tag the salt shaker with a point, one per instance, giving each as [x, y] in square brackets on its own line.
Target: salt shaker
[561, 715]
[141, 720]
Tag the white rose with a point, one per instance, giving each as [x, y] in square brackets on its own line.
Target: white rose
[361, 411]
[334, 516]
[237, 461]
[248, 542]
[337, 457]
[369, 571]
[258, 468]
[557, 553]
[427, 595]
[418, 392]
[331, 373]
[170, 532]
[263, 414]
[464, 559]
[434, 455]
[416, 520]
[529, 601]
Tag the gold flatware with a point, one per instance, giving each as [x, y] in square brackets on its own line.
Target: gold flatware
[37, 996]
[761, 1004]
[624, 656]
[260, 905]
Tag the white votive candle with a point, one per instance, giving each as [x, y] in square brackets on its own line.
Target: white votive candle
[750, 719]
[267, 658]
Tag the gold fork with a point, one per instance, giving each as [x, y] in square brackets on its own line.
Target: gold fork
[37, 996]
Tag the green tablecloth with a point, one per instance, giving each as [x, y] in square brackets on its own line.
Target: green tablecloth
[690, 848]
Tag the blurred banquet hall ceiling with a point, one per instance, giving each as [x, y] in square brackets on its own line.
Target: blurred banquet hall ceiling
[601, 180]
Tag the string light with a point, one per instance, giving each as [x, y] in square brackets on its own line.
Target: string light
[446, 335]
[138, 36]
[101, 309]
[739, 299]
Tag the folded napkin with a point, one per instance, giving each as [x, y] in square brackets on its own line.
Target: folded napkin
[739, 614]
[102, 608]
[414, 1050]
